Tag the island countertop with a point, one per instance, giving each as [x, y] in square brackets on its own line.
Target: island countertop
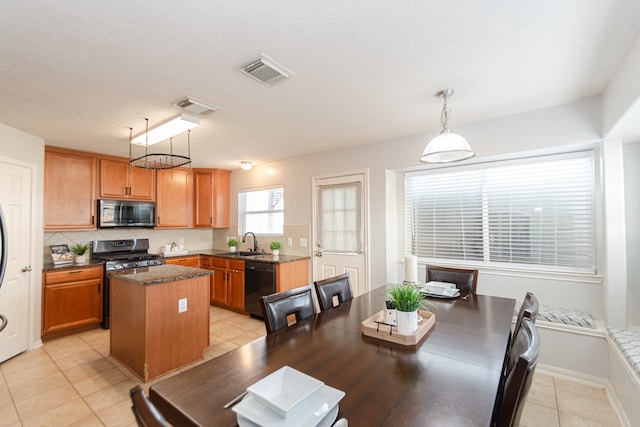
[158, 274]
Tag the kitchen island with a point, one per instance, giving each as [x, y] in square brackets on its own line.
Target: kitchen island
[159, 318]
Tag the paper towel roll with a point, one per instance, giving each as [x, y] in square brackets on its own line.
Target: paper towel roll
[411, 269]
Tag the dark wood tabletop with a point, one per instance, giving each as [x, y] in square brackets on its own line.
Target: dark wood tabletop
[448, 379]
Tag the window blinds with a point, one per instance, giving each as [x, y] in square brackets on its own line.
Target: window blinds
[540, 214]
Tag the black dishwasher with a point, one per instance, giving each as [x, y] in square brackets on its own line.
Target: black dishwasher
[259, 280]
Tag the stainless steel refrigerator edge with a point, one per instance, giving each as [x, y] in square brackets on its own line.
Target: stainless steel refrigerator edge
[3, 260]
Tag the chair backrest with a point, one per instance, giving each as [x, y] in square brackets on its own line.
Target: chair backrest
[523, 359]
[465, 280]
[337, 286]
[276, 307]
[146, 414]
[528, 309]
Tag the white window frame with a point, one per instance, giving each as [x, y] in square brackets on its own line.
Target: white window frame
[242, 213]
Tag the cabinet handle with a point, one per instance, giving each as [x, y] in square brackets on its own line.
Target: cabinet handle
[158, 220]
[210, 220]
[93, 220]
[99, 287]
[75, 272]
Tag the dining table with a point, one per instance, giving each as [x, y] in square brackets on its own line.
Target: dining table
[449, 378]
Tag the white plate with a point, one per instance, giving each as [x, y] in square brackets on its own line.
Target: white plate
[440, 291]
[327, 421]
[283, 389]
[446, 296]
[312, 411]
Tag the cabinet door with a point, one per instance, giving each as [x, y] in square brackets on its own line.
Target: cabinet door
[236, 289]
[174, 198]
[142, 184]
[69, 191]
[221, 198]
[72, 305]
[114, 182]
[203, 203]
[219, 288]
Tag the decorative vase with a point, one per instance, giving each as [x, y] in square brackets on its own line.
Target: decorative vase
[276, 252]
[232, 248]
[407, 322]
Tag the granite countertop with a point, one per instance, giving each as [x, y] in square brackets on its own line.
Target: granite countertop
[158, 274]
[50, 266]
[260, 257]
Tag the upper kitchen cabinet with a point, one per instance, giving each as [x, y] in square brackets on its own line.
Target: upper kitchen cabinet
[212, 197]
[174, 198]
[69, 190]
[118, 180]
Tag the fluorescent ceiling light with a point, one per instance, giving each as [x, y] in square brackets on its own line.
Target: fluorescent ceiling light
[166, 130]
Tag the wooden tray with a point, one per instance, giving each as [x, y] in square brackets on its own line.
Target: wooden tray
[375, 327]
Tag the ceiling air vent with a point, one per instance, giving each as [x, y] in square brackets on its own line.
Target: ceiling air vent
[195, 106]
[266, 71]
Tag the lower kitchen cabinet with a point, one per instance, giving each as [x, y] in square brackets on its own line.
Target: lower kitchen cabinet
[187, 261]
[227, 288]
[72, 298]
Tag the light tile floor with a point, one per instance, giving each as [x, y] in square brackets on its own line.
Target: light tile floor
[72, 381]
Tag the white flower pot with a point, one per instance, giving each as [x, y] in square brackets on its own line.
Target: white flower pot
[232, 248]
[79, 259]
[407, 322]
[276, 252]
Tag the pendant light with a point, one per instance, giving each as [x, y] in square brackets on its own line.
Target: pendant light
[446, 146]
[158, 161]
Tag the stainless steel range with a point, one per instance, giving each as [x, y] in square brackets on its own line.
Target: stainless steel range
[120, 255]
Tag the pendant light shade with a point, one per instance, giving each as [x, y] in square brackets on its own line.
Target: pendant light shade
[447, 146]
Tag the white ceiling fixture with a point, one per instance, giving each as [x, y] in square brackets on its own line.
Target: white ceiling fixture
[158, 161]
[246, 166]
[447, 146]
[166, 130]
[196, 106]
[266, 70]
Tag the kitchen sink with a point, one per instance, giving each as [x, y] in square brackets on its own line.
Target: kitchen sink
[240, 253]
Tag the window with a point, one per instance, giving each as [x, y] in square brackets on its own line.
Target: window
[537, 215]
[261, 211]
[339, 211]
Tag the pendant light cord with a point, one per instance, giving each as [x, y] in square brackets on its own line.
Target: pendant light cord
[444, 116]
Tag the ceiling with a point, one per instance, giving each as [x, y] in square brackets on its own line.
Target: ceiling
[81, 73]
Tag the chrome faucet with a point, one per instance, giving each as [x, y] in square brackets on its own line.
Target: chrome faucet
[255, 242]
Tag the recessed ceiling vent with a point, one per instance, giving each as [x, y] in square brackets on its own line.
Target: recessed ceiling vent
[266, 71]
[195, 106]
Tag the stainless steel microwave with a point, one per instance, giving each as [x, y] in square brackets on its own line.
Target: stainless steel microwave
[126, 213]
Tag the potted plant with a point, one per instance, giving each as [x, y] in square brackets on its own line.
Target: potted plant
[407, 299]
[275, 247]
[80, 249]
[233, 244]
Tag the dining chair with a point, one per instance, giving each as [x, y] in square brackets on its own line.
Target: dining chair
[465, 280]
[146, 414]
[522, 363]
[336, 286]
[277, 307]
[529, 308]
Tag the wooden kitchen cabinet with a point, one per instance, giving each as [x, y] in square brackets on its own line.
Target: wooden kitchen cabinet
[187, 261]
[227, 288]
[69, 190]
[174, 198]
[212, 198]
[72, 298]
[291, 275]
[118, 180]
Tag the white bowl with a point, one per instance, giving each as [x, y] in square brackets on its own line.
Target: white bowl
[283, 389]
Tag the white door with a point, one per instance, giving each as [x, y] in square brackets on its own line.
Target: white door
[340, 236]
[15, 199]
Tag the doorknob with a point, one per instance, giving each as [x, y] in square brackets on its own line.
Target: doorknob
[319, 251]
[27, 268]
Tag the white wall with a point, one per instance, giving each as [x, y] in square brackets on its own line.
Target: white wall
[20, 146]
[545, 130]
